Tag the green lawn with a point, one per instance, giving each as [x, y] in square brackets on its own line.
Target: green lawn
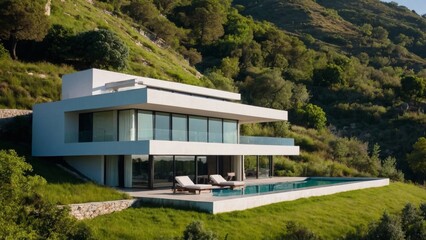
[329, 216]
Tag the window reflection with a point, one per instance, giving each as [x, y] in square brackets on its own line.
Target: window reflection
[197, 129]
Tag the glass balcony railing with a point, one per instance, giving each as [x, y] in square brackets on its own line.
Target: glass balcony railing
[266, 141]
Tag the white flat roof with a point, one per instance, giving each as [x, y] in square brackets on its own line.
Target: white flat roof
[97, 81]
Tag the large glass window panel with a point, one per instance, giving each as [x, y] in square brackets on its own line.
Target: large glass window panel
[145, 125]
[162, 126]
[215, 130]
[179, 128]
[140, 171]
[185, 166]
[85, 127]
[202, 170]
[250, 166]
[230, 131]
[264, 167]
[197, 129]
[163, 171]
[104, 126]
[126, 125]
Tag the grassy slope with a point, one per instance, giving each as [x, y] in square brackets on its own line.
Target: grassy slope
[62, 187]
[329, 216]
[146, 58]
[23, 84]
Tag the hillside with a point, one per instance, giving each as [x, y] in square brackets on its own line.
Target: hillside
[24, 83]
[351, 27]
[339, 72]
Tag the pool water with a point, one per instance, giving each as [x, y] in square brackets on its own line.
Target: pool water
[277, 187]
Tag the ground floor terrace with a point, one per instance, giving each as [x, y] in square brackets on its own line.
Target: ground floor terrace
[240, 199]
[159, 171]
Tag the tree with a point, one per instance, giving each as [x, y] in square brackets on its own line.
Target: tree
[22, 20]
[380, 33]
[389, 170]
[267, 88]
[315, 116]
[331, 74]
[389, 228]
[417, 159]
[207, 19]
[102, 49]
[23, 213]
[412, 222]
[413, 87]
[142, 11]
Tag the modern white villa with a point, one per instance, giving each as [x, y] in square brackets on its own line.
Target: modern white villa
[130, 131]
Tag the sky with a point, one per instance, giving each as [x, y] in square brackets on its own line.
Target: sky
[418, 5]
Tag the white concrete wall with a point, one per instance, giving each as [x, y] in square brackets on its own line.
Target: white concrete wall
[77, 84]
[90, 166]
[48, 129]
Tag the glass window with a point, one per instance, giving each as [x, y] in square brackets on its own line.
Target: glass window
[250, 166]
[197, 129]
[140, 171]
[162, 126]
[264, 167]
[104, 126]
[215, 130]
[163, 171]
[179, 126]
[230, 131]
[185, 166]
[126, 125]
[85, 127]
[145, 125]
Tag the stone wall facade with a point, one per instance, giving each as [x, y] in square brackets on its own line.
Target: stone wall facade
[94, 209]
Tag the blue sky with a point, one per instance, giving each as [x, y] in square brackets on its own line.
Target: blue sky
[418, 5]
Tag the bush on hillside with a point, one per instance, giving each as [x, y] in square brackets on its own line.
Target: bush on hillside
[295, 231]
[195, 231]
[23, 213]
[101, 49]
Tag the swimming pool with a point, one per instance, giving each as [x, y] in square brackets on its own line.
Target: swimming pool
[279, 187]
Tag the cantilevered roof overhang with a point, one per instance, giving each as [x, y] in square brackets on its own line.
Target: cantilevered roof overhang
[167, 101]
[158, 147]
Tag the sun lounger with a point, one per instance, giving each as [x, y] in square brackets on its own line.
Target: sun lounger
[218, 180]
[186, 184]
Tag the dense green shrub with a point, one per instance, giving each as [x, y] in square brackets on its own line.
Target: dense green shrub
[196, 231]
[417, 159]
[295, 231]
[101, 49]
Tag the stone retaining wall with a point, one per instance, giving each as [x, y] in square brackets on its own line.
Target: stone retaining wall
[10, 113]
[94, 209]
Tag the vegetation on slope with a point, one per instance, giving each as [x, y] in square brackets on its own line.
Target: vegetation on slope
[329, 217]
[362, 97]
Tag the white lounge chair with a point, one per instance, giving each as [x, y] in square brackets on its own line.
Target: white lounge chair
[186, 184]
[218, 180]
